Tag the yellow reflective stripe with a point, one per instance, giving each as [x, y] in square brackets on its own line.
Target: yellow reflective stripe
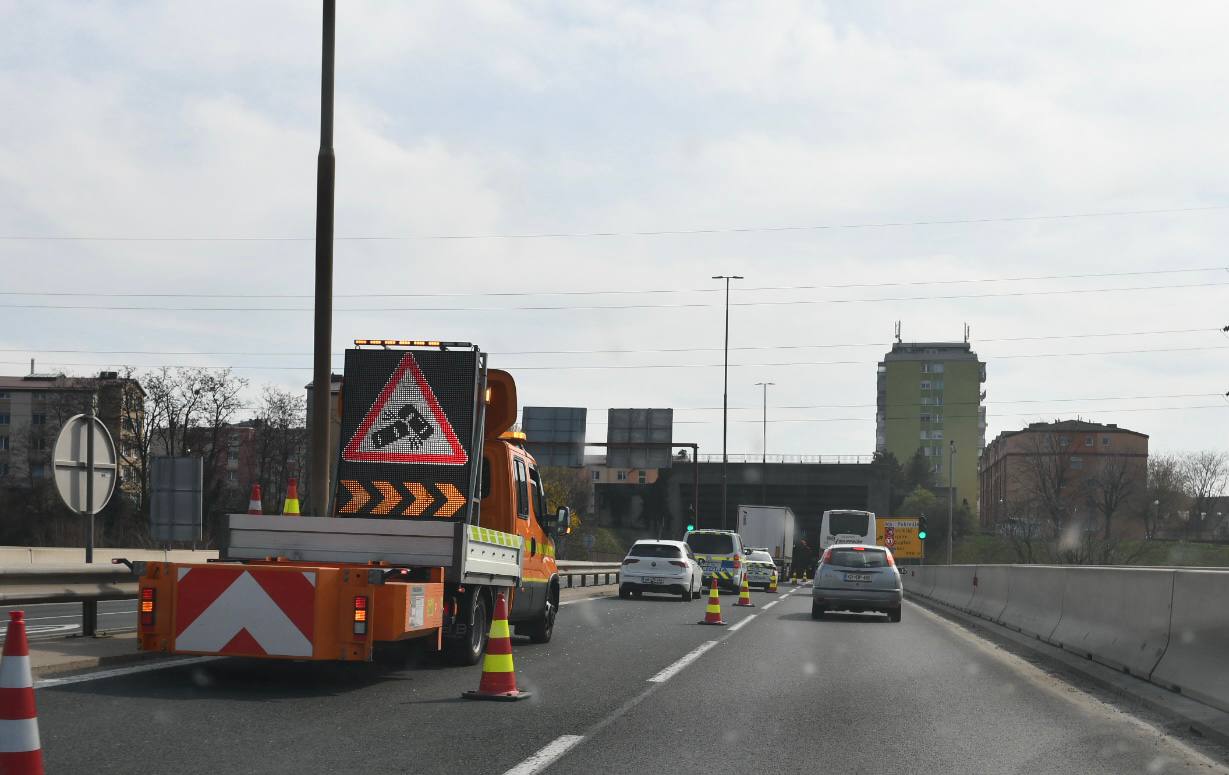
[499, 538]
[712, 609]
[497, 663]
[499, 629]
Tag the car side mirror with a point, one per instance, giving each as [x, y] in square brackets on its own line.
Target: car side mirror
[563, 518]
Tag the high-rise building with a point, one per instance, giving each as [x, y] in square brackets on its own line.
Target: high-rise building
[929, 394]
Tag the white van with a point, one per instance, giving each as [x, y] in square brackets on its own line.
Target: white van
[847, 526]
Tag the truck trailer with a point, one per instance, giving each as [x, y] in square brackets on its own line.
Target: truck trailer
[437, 508]
[771, 527]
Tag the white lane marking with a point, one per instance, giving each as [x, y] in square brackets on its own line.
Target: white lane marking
[735, 627]
[584, 599]
[770, 605]
[696, 653]
[49, 683]
[546, 756]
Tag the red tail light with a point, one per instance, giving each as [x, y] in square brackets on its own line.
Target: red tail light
[891, 559]
[827, 555]
[360, 615]
[147, 607]
[679, 563]
[630, 560]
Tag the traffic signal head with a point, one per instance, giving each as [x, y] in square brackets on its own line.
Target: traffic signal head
[921, 534]
[691, 528]
[921, 528]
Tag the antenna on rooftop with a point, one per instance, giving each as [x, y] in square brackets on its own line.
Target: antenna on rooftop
[966, 333]
[898, 332]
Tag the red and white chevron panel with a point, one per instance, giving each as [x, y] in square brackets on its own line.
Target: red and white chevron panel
[245, 611]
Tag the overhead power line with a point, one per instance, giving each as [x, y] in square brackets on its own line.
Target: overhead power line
[1035, 413]
[625, 291]
[574, 307]
[644, 233]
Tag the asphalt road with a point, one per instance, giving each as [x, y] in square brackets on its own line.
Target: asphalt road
[781, 693]
[55, 620]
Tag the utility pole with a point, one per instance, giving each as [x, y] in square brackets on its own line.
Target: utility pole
[322, 365]
[764, 459]
[951, 495]
[725, 400]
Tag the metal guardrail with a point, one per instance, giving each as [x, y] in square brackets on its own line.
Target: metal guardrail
[80, 583]
[812, 459]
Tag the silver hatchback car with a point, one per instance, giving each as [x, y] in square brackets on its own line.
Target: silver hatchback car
[857, 578]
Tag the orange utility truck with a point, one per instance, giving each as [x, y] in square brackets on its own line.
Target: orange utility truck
[437, 506]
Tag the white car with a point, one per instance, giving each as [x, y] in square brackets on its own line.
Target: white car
[760, 567]
[667, 567]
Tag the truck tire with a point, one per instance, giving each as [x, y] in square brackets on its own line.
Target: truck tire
[541, 629]
[468, 650]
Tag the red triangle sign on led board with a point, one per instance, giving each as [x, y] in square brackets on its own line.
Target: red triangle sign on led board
[406, 424]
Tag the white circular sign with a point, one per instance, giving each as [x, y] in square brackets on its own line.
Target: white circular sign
[72, 465]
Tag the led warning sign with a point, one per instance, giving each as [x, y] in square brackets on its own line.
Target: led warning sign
[407, 433]
[406, 424]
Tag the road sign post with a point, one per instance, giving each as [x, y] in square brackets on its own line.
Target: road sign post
[86, 469]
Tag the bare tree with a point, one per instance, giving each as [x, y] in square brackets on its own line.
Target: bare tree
[1048, 481]
[1206, 474]
[1165, 493]
[1114, 485]
[280, 442]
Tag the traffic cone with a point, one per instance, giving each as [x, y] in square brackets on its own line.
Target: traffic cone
[20, 751]
[255, 504]
[291, 507]
[712, 612]
[498, 675]
[744, 594]
[793, 578]
[772, 583]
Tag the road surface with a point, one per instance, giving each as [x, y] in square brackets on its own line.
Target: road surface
[626, 686]
[55, 620]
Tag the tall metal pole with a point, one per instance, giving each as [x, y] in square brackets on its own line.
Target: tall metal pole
[764, 451]
[322, 369]
[89, 608]
[951, 496]
[725, 401]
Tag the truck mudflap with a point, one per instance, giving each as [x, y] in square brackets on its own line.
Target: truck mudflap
[281, 611]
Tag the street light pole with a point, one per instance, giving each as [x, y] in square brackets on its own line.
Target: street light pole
[725, 400]
[322, 368]
[764, 458]
[951, 495]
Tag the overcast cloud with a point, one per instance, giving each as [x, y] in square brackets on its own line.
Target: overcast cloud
[168, 119]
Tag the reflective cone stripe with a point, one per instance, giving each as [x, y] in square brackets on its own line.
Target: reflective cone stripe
[744, 594]
[712, 612]
[498, 674]
[255, 502]
[291, 507]
[20, 750]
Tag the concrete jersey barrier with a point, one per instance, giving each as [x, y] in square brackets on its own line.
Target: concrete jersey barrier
[991, 592]
[954, 585]
[1117, 617]
[1196, 662]
[1035, 603]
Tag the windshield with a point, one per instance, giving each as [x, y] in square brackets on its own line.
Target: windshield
[655, 550]
[858, 558]
[711, 543]
[847, 523]
[761, 557]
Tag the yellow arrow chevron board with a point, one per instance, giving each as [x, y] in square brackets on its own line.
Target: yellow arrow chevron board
[414, 500]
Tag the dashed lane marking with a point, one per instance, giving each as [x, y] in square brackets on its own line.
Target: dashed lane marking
[742, 623]
[546, 756]
[51, 683]
[692, 656]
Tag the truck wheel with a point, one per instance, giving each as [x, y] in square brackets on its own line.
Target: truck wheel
[468, 650]
[541, 629]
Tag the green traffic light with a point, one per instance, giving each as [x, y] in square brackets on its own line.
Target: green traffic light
[921, 535]
[691, 528]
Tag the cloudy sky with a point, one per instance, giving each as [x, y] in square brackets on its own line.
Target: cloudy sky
[558, 181]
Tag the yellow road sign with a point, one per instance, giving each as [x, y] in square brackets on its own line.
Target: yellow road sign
[904, 542]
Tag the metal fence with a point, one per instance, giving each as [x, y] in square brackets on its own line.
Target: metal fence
[811, 459]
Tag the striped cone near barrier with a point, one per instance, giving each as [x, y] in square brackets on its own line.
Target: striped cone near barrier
[20, 751]
[793, 579]
[498, 675]
[772, 583]
[255, 502]
[291, 507]
[744, 595]
[712, 612]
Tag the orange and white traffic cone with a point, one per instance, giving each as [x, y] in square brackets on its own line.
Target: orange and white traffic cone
[20, 751]
[772, 583]
[712, 612]
[744, 594]
[291, 507]
[255, 503]
[498, 675]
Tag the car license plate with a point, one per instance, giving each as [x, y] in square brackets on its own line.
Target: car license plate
[857, 577]
[651, 581]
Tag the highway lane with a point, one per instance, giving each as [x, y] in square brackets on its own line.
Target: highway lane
[850, 694]
[55, 620]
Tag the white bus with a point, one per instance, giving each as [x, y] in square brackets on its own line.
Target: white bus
[846, 526]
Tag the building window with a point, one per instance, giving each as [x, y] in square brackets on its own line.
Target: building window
[642, 478]
[38, 419]
[936, 434]
[925, 384]
[232, 456]
[621, 476]
[939, 400]
[1064, 441]
[936, 368]
[38, 444]
[1077, 462]
[1089, 441]
[38, 470]
[4, 443]
[4, 469]
[925, 418]
[4, 419]
[232, 476]
[938, 384]
[4, 394]
[597, 476]
[1105, 441]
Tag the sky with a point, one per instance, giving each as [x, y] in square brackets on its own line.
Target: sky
[558, 182]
